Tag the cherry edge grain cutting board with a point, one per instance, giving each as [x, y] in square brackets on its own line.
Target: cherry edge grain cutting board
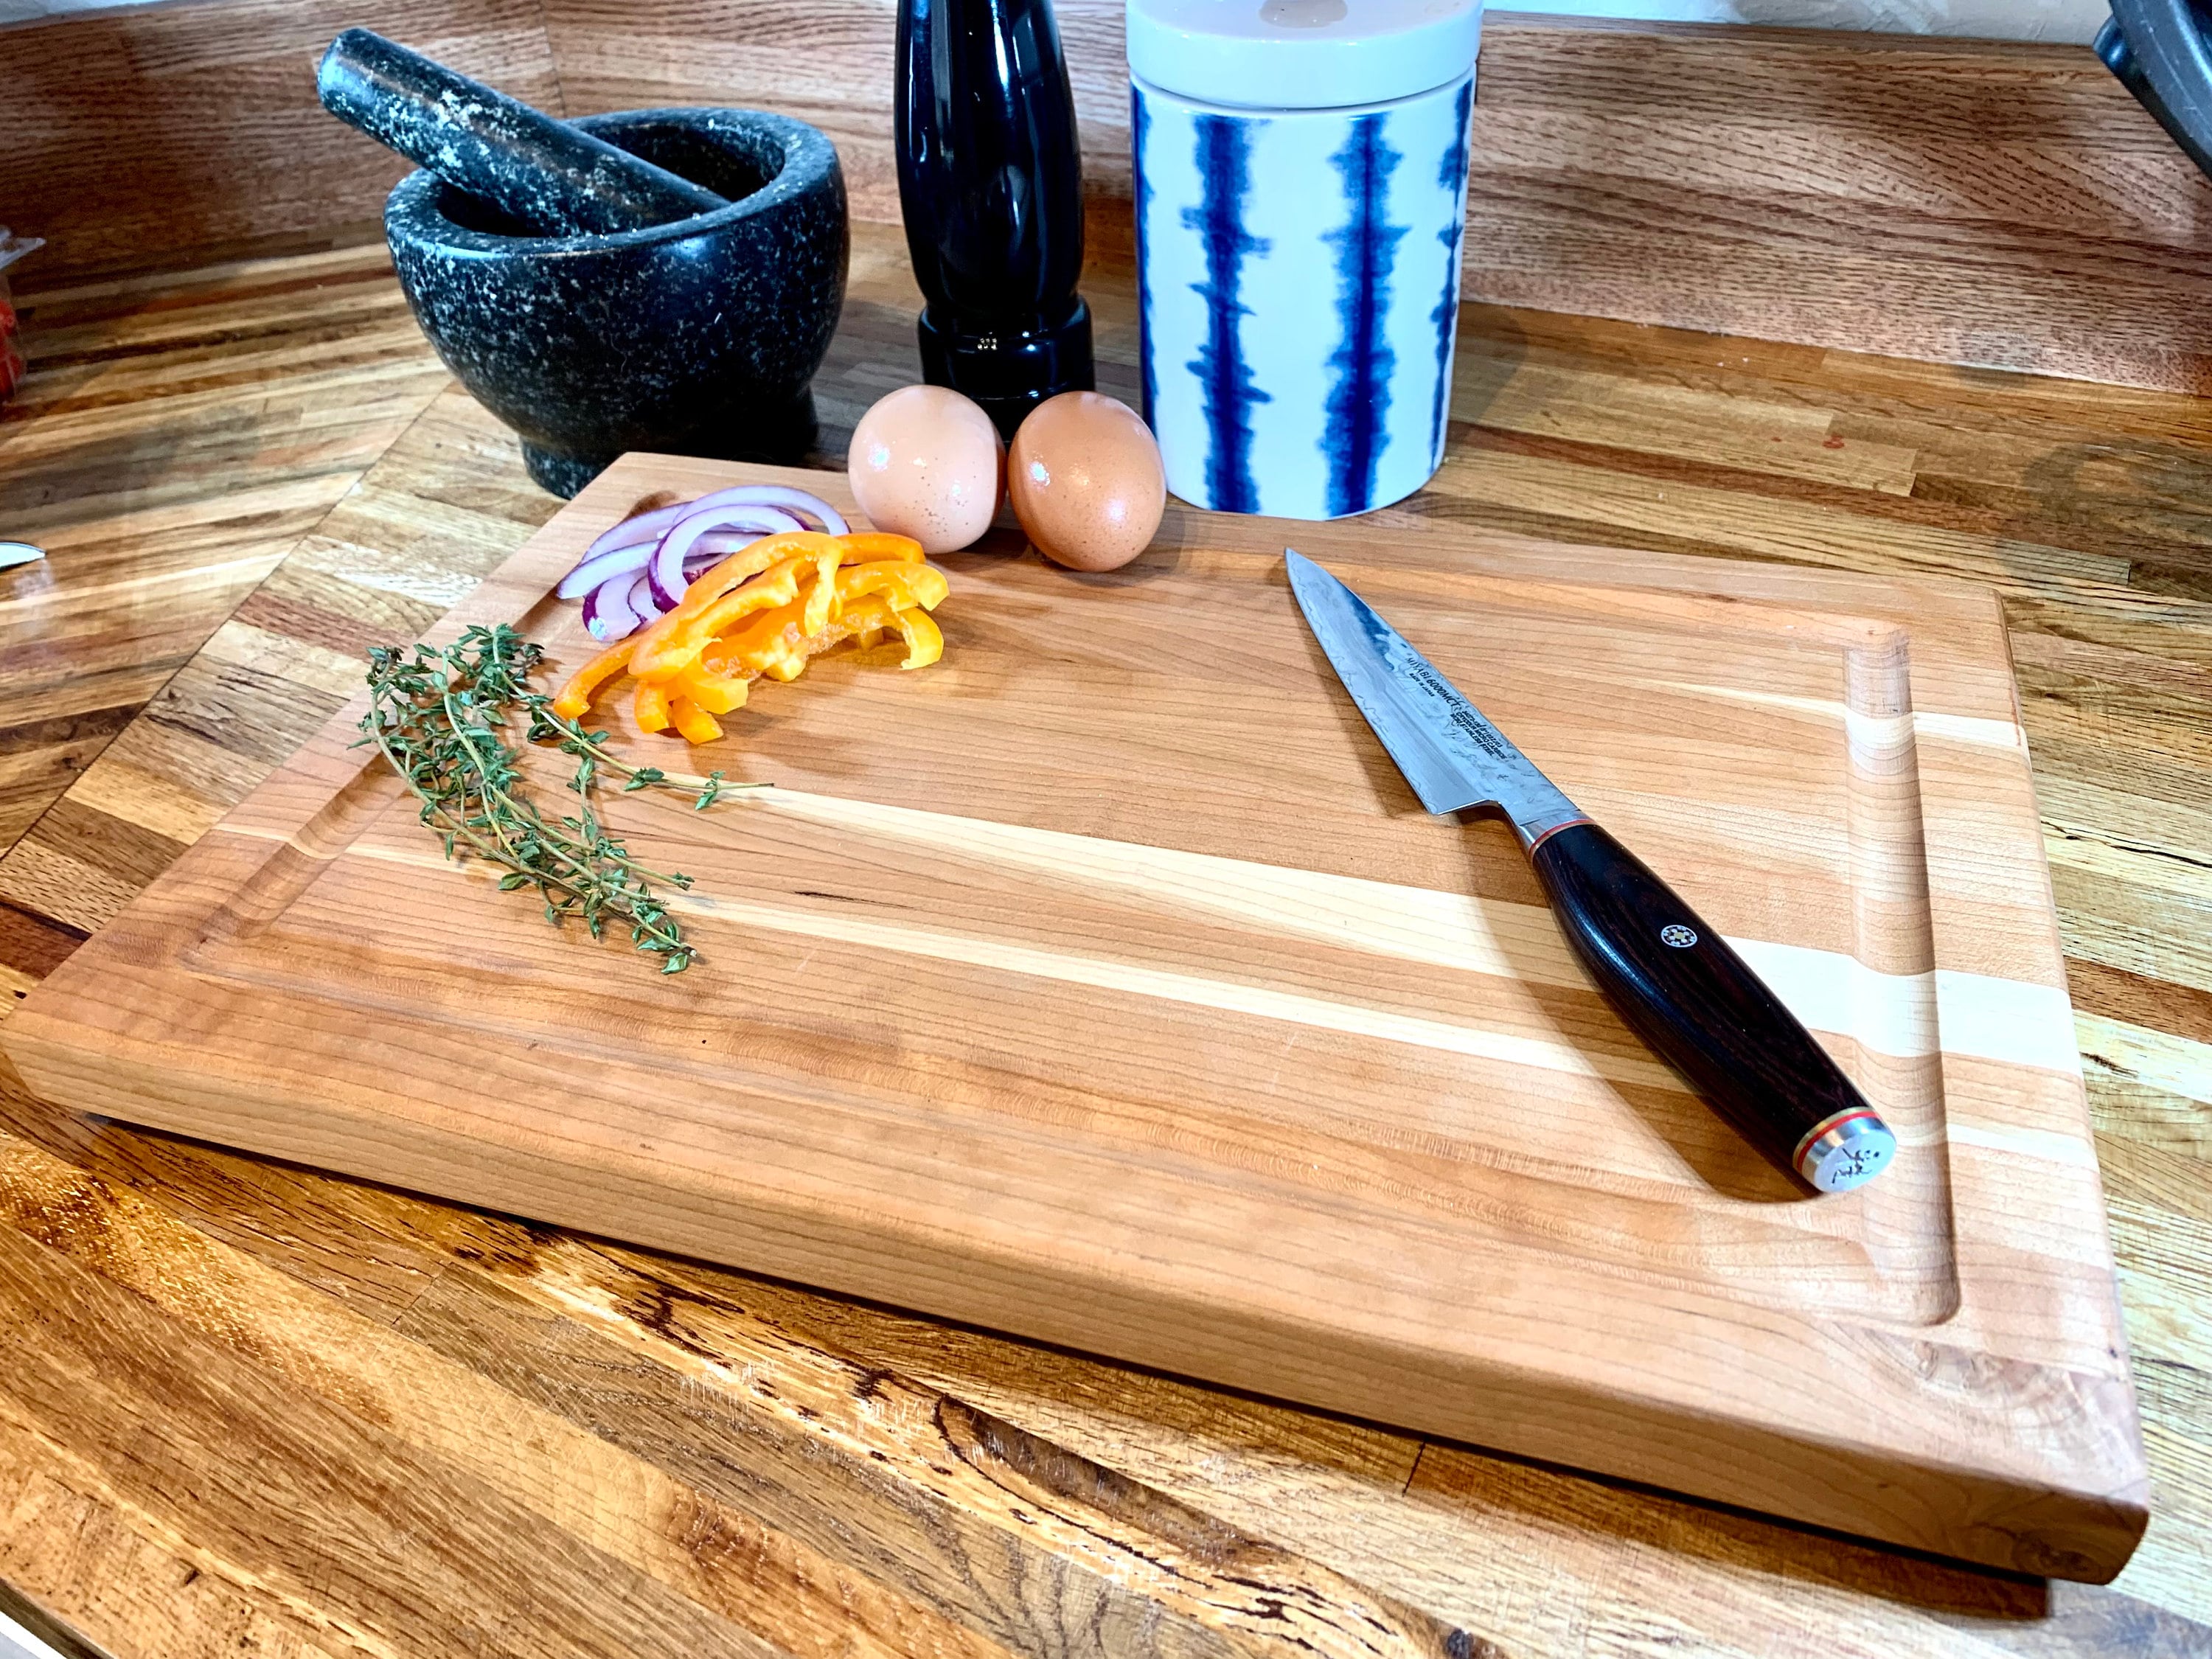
[1105, 984]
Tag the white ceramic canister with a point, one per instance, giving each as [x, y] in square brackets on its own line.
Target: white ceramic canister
[1301, 170]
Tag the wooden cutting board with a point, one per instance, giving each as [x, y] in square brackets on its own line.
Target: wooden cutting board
[1105, 984]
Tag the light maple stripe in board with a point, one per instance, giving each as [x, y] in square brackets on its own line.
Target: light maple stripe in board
[1109, 973]
[1231, 996]
[1906, 1016]
[1868, 731]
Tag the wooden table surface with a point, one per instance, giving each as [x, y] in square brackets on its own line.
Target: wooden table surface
[246, 1408]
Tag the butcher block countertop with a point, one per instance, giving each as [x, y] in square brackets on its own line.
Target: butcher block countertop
[246, 1408]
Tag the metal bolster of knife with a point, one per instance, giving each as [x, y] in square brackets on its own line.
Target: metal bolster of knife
[1535, 827]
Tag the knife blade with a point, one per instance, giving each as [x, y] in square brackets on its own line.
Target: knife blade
[1669, 972]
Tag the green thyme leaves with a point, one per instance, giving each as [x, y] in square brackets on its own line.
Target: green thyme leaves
[441, 716]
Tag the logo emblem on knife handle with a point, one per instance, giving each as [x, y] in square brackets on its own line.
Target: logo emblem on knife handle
[1702, 1009]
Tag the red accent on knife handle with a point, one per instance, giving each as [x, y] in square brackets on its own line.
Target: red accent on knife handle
[1692, 998]
[1552, 831]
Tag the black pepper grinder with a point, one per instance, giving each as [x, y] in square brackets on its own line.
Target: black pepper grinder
[991, 185]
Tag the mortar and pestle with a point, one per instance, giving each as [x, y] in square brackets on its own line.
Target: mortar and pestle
[664, 279]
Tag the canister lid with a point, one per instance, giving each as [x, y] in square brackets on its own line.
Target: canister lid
[1302, 54]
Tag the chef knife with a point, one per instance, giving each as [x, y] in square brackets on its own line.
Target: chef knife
[1668, 971]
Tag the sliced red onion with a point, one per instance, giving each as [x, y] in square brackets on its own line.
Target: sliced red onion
[733, 529]
[637, 571]
[721, 543]
[744, 527]
[593, 571]
[666, 568]
[607, 612]
[646, 525]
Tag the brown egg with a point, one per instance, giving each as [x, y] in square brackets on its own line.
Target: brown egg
[928, 462]
[1085, 481]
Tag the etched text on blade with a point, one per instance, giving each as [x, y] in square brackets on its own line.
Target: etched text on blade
[1410, 667]
[1485, 755]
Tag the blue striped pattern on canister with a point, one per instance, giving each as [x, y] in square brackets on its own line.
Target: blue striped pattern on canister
[1299, 284]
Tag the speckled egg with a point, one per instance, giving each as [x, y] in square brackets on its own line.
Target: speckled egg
[928, 462]
[1085, 481]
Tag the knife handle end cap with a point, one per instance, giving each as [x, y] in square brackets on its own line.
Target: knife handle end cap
[1848, 1151]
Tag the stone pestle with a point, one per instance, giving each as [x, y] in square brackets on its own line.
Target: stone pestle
[551, 177]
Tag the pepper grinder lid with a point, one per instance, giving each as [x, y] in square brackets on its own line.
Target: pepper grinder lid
[1302, 54]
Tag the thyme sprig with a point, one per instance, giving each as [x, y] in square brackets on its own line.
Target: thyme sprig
[441, 716]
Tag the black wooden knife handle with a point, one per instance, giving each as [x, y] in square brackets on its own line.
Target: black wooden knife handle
[1695, 1000]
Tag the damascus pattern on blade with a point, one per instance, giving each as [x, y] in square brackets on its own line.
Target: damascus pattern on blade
[1450, 754]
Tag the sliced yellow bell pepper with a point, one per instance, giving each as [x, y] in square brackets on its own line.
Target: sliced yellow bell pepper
[779, 584]
[925, 641]
[761, 635]
[661, 656]
[693, 721]
[914, 584]
[785, 662]
[822, 598]
[574, 701]
[718, 692]
[786, 657]
[715, 580]
[862, 545]
[767, 609]
[671, 654]
[872, 613]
